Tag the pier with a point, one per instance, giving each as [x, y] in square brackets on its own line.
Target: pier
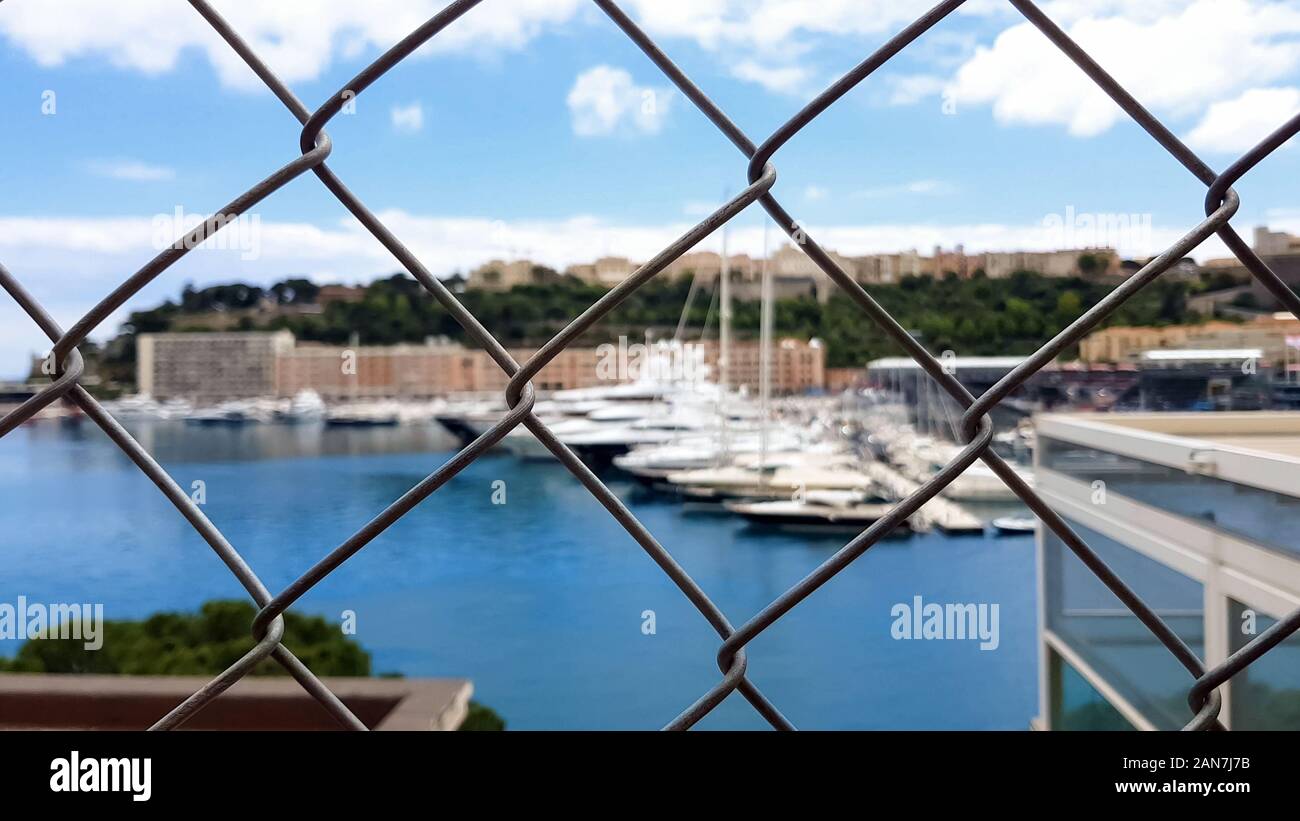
[939, 512]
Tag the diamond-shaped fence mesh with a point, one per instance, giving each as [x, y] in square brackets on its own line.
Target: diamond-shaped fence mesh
[1221, 204]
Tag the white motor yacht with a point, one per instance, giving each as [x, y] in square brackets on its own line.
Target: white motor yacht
[363, 414]
[306, 406]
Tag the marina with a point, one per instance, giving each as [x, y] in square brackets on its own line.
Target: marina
[696, 442]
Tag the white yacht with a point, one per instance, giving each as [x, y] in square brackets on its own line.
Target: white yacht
[363, 414]
[818, 510]
[233, 412]
[142, 406]
[655, 463]
[780, 477]
[306, 406]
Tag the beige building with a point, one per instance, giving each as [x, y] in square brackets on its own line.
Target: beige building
[839, 380]
[571, 368]
[886, 269]
[1002, 264]
[1121, 343]
[799, 274]
[1124, 344]
[1275, 243]
[422, 371]
[707, 265]
[607, 271]
[798, 366]
[209, 366]
[499, 275]
[404, 371]
[339, 293]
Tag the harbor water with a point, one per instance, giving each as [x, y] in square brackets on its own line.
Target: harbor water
[513, 576]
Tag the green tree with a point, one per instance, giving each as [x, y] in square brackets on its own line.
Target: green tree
[182, 644]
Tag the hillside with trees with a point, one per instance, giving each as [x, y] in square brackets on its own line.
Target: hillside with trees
[974, 317]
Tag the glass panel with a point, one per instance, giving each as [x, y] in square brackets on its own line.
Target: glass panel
[1076, 704]
[1265, 695]
[1263, 516]
[1096, 625]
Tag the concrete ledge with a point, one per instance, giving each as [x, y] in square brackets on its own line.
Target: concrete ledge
[30, 701]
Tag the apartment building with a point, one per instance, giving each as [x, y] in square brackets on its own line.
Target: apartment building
[1272, 243]
[839, 380]
[329, 294]
[210, 366]
[798, 366]
[885, 269]
[1128, 343]
[1197, 513]
[499, 275]
[1122, 343]
[405, 371]
[1065, 263]
[707, 266]
[797, 274]
[607, 271]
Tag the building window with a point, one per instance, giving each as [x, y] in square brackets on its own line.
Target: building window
[1261, 516]
[1265, 695]
[1083, 613]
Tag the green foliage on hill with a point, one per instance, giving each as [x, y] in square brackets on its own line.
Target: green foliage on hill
[974, 317]
[183, 644]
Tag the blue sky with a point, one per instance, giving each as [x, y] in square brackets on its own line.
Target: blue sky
[535, 128]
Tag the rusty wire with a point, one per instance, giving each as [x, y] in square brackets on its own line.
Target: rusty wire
[976, 430]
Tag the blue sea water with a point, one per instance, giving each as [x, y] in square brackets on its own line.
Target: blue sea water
[539, 601]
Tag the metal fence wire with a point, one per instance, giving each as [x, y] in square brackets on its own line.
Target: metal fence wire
[976, 430]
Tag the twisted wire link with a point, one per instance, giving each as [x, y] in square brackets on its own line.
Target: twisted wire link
[975, 431]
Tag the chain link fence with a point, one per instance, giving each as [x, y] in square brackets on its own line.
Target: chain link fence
[1221, 203]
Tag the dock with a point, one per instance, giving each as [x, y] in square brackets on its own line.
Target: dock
[939, 512]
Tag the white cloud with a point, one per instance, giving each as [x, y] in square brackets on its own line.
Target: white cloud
[774, 43]
[700, 208]
[775, 26]
[909, 89]
[1237, 125]
[789, 79]
[300, 39]
[914, 188]
[815, 192]
[297, 38]
[407, 119]
[1175, 56]
[132, 170]
[604, 100]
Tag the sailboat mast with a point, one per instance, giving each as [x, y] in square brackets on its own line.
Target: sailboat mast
[724, 343]
[764, 352]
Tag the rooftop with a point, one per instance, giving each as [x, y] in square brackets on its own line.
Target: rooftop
[31, 701]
